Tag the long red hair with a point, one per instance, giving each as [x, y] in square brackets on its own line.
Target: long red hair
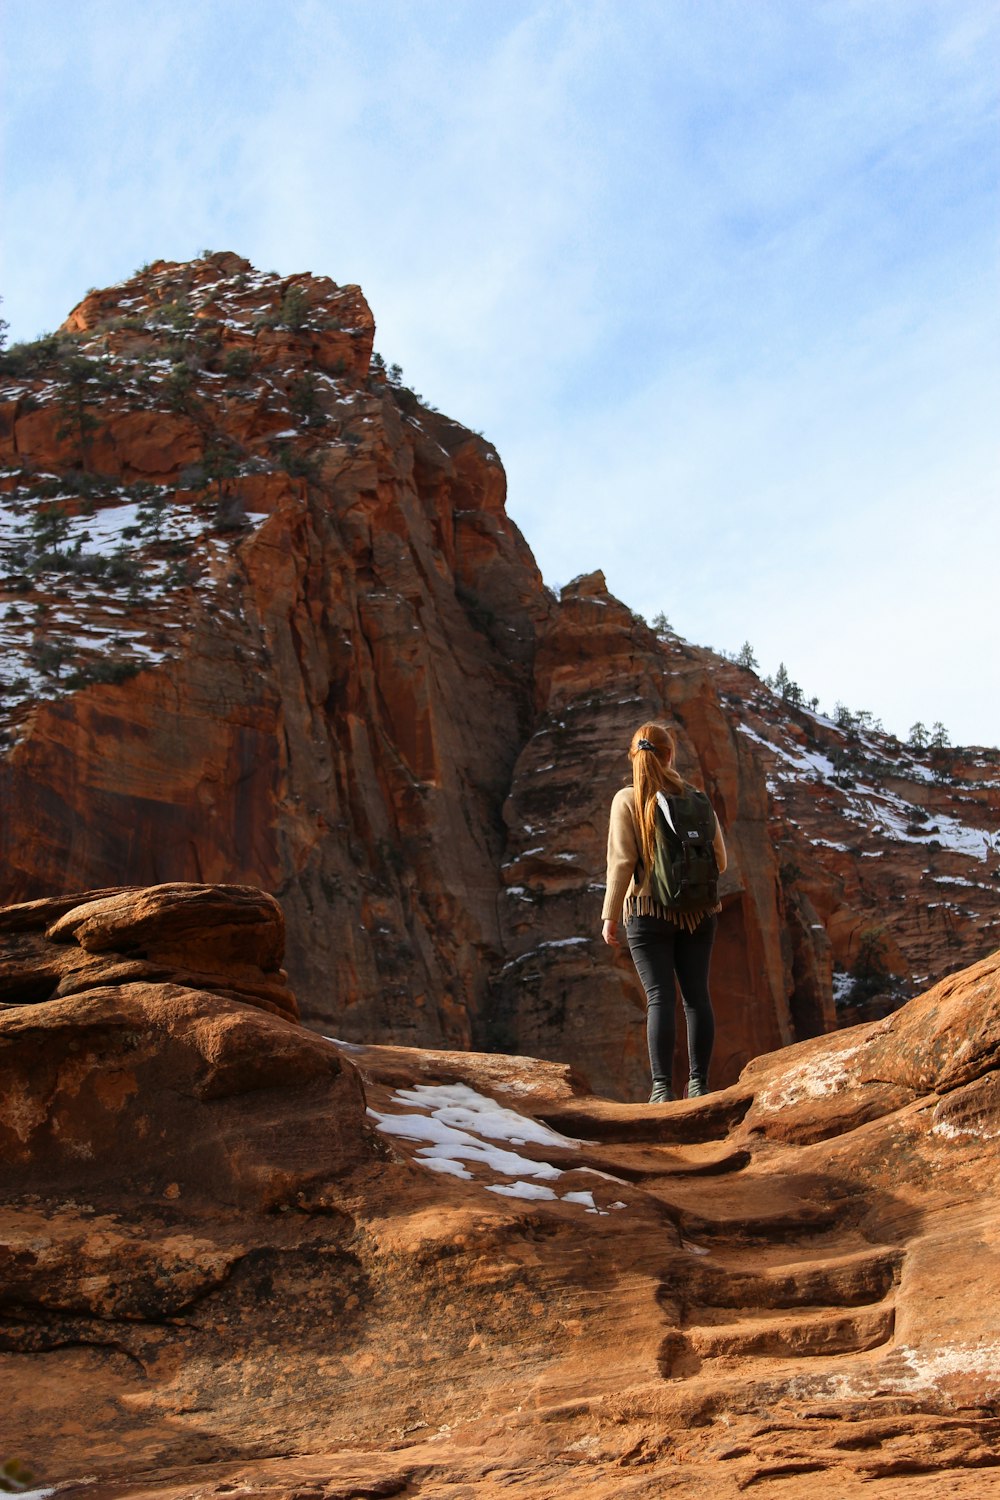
[652, 772]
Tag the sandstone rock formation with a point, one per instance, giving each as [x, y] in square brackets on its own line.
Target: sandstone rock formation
[266, 621]
[884, 841]
[240, 1258]
[228, 940]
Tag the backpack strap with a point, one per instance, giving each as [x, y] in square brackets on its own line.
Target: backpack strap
[663, 801]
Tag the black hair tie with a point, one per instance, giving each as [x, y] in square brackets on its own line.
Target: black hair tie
[645, 745]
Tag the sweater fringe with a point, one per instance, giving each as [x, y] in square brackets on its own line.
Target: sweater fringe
[645, 906]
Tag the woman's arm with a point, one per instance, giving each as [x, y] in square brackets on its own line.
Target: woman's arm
[623, 855]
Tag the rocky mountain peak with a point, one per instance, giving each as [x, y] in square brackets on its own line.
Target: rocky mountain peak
[225, 302]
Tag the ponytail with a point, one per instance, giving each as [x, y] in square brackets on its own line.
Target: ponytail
[652, 755]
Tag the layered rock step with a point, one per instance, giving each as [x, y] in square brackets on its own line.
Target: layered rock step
[844, 1305]
[811, 1331]
[847, 1279]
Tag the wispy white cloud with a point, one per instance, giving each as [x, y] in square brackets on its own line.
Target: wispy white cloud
[706, 272]
[839, 517]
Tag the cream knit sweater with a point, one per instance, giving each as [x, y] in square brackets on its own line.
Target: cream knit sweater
[623, 856]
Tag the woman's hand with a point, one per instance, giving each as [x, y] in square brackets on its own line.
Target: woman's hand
[610, 933]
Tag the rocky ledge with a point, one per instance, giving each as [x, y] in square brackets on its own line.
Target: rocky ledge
[241, 1257]
[228, 939]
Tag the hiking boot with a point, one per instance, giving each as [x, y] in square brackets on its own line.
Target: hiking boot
[662, 1093]
[696, 1087]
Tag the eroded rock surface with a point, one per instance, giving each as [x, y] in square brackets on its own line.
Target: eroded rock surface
[240, 1257]
[228, 939]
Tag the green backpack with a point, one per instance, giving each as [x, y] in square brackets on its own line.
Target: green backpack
[685, 871]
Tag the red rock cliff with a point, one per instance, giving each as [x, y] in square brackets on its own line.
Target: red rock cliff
[265, 621]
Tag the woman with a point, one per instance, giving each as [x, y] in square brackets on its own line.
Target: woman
[663, 943]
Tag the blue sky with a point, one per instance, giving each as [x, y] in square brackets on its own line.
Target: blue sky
[718, 277]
